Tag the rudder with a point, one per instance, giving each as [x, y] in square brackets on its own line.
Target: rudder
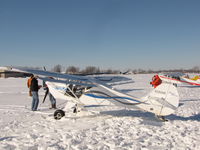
[163, 100]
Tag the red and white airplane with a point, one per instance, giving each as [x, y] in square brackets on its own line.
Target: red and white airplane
[179, 78]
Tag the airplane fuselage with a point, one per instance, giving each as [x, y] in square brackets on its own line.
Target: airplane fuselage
[181, 80]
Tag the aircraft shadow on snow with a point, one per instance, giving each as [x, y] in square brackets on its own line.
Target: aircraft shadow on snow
[130, 90]
[147, 117]
[7, 138]
[182, 102]
[195, 117]
[185, 86]
[115, 84]
[189, 100]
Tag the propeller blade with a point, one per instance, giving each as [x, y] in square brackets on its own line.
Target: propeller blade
[46, 93]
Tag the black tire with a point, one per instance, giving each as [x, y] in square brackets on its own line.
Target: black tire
[75, 110]
[58, 114]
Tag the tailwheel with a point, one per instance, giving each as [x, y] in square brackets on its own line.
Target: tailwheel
[162, 118]
[58, 114]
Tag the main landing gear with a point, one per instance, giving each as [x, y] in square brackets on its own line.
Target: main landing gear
[58, 114]
[76, 109]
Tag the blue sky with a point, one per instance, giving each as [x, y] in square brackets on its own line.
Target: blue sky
[115, 34]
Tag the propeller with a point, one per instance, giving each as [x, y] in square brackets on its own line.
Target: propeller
[47, 89]
[46, 93]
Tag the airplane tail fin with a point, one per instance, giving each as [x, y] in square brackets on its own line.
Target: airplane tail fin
[162, 101]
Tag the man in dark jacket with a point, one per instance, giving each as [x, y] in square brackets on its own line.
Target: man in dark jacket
[34, 90]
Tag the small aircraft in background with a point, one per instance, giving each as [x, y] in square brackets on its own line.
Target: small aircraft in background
[96, 91]
[180, 78]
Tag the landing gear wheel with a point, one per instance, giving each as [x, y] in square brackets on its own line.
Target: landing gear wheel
[162, 118]
[58, 114]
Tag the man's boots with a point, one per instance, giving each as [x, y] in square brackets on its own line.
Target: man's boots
[53, 106]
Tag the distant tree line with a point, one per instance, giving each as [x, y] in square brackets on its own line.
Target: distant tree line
[195, 69]
[96, 70]
[87, 71]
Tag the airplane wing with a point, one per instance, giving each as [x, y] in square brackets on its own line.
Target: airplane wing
[57, 77]
[112, 80]
[74, 79]
[49, 74]
[76, 82]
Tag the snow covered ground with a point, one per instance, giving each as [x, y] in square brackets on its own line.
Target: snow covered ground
[114, 128]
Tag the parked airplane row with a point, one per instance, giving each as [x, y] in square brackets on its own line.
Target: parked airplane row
[86, 91]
